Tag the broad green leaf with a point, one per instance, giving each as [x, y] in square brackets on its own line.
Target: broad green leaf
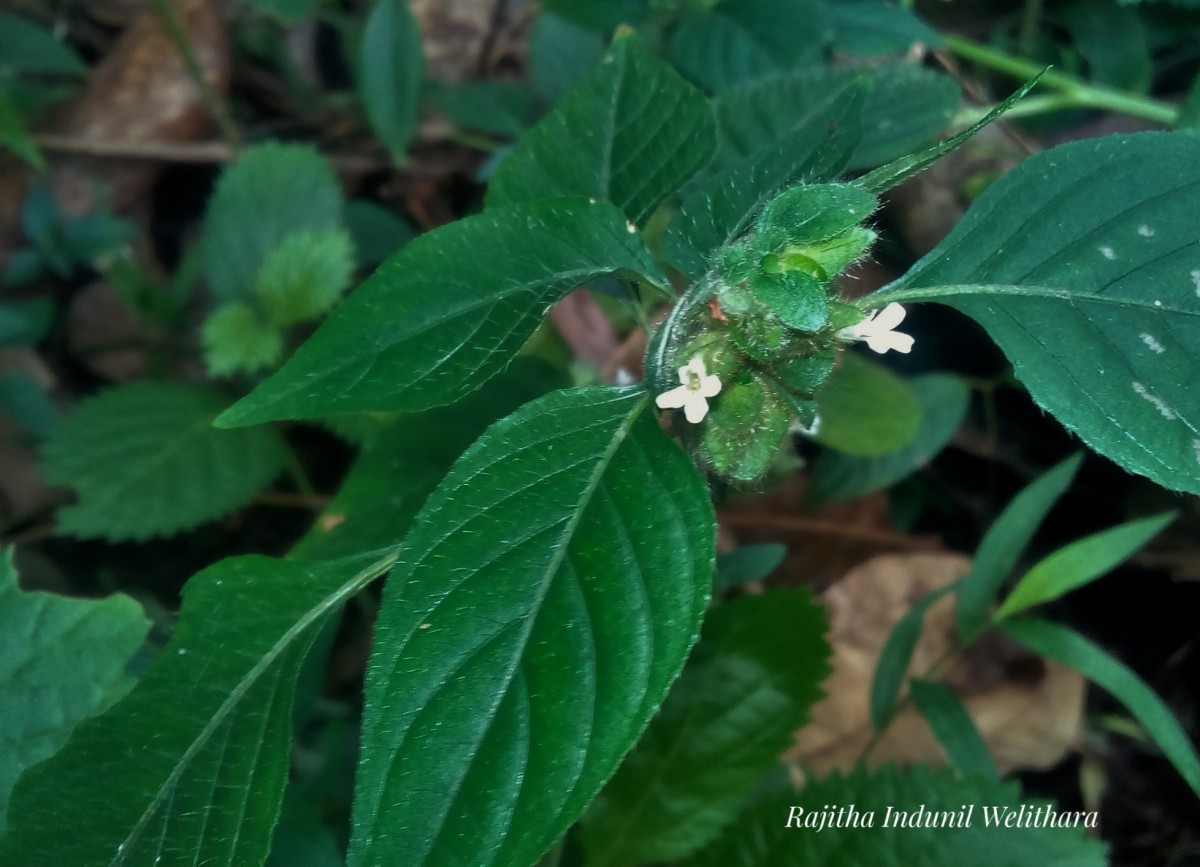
[447, 312]
[61, 660]
[237, 338]
[747, 563]
[401, 463]
[377, 232]
[1082, 265]
[1112, 40]
[1080, 563]
[24, 400]
[1071, 649]
[391, 67]
[15, 137]
[747, 688]
[865, 409]
[1005, 541]
[894, 660]
[763, 838]
[943, 400]
[24, 322]
[561, 54]
[898, 171]
[502, 108]
[602, 17]
[305, 275]
[27, 47]
[631, 134]
[543, 602]
[269, 193]
[189, 767]
[145, 461]
[904, 107]
[815, 147]
[872, 27]
[739, 40]
[953, 727]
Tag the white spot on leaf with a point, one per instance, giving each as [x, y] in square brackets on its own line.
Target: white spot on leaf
[1107, 252]
[1196, 449]
[1153, 344]
[1145, 231]
[1159, 403]
[1196, 281]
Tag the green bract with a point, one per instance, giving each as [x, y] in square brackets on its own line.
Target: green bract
[767, 321]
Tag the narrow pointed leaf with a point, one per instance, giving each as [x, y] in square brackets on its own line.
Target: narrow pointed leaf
[447, 312]
[543, 602]
[743, 694]
[1083, 265]
[60, 661]
[953, 727]
[816, 146]
[390, 73]
[1005, 542]
[189, 768]
[1080, 563]
[631, 134]
[897, 172]
[891, 670]
[1064, 645]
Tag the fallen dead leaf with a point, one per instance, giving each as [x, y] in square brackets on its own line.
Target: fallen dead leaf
[1027, 709]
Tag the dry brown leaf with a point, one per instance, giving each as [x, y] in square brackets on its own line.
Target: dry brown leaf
[584, 327]
[1028, 710]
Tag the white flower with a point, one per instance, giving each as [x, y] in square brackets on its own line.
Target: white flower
[877, 330]
[692, 396]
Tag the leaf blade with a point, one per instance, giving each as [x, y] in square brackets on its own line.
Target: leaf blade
[479, 681]
[391, 69]
[953, 728]
[396, 343]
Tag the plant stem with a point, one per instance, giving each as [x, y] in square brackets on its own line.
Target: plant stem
[934, 667]
[1081, 94]
[1029, 23]
[183, 44]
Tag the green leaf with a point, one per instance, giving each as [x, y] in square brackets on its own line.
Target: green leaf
[953, 727]
[27, 47]
[746, 564]
[631, 134]
[1113, 42]
[763, 839]
[190, 766]
[943, 400]
[400, 463]
[391, 68]
[815, 147]
[24, 400]
[447, 312]
[1080, 563]
[897, 172]
[1081, 265]
[905, 106]
[502, 108]
[145, 461]
[894, 660]
[25, 322]
[14, 135]
[543, 602]
[269, 193]
[238, 339]
[739, 40]
[61, 661]
[873, 27]
[747, 688]
[561, 54]
[377, 232]
[1072, 649]
[865, 409]
[305, 275]
[602, 17]
[1005, 541]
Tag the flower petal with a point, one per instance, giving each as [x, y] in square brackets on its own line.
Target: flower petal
[710, 386]
[888, 318]
[695, 409]
[676, 398]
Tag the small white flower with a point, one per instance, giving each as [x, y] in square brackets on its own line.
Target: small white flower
[877, 330]
[692, 396]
